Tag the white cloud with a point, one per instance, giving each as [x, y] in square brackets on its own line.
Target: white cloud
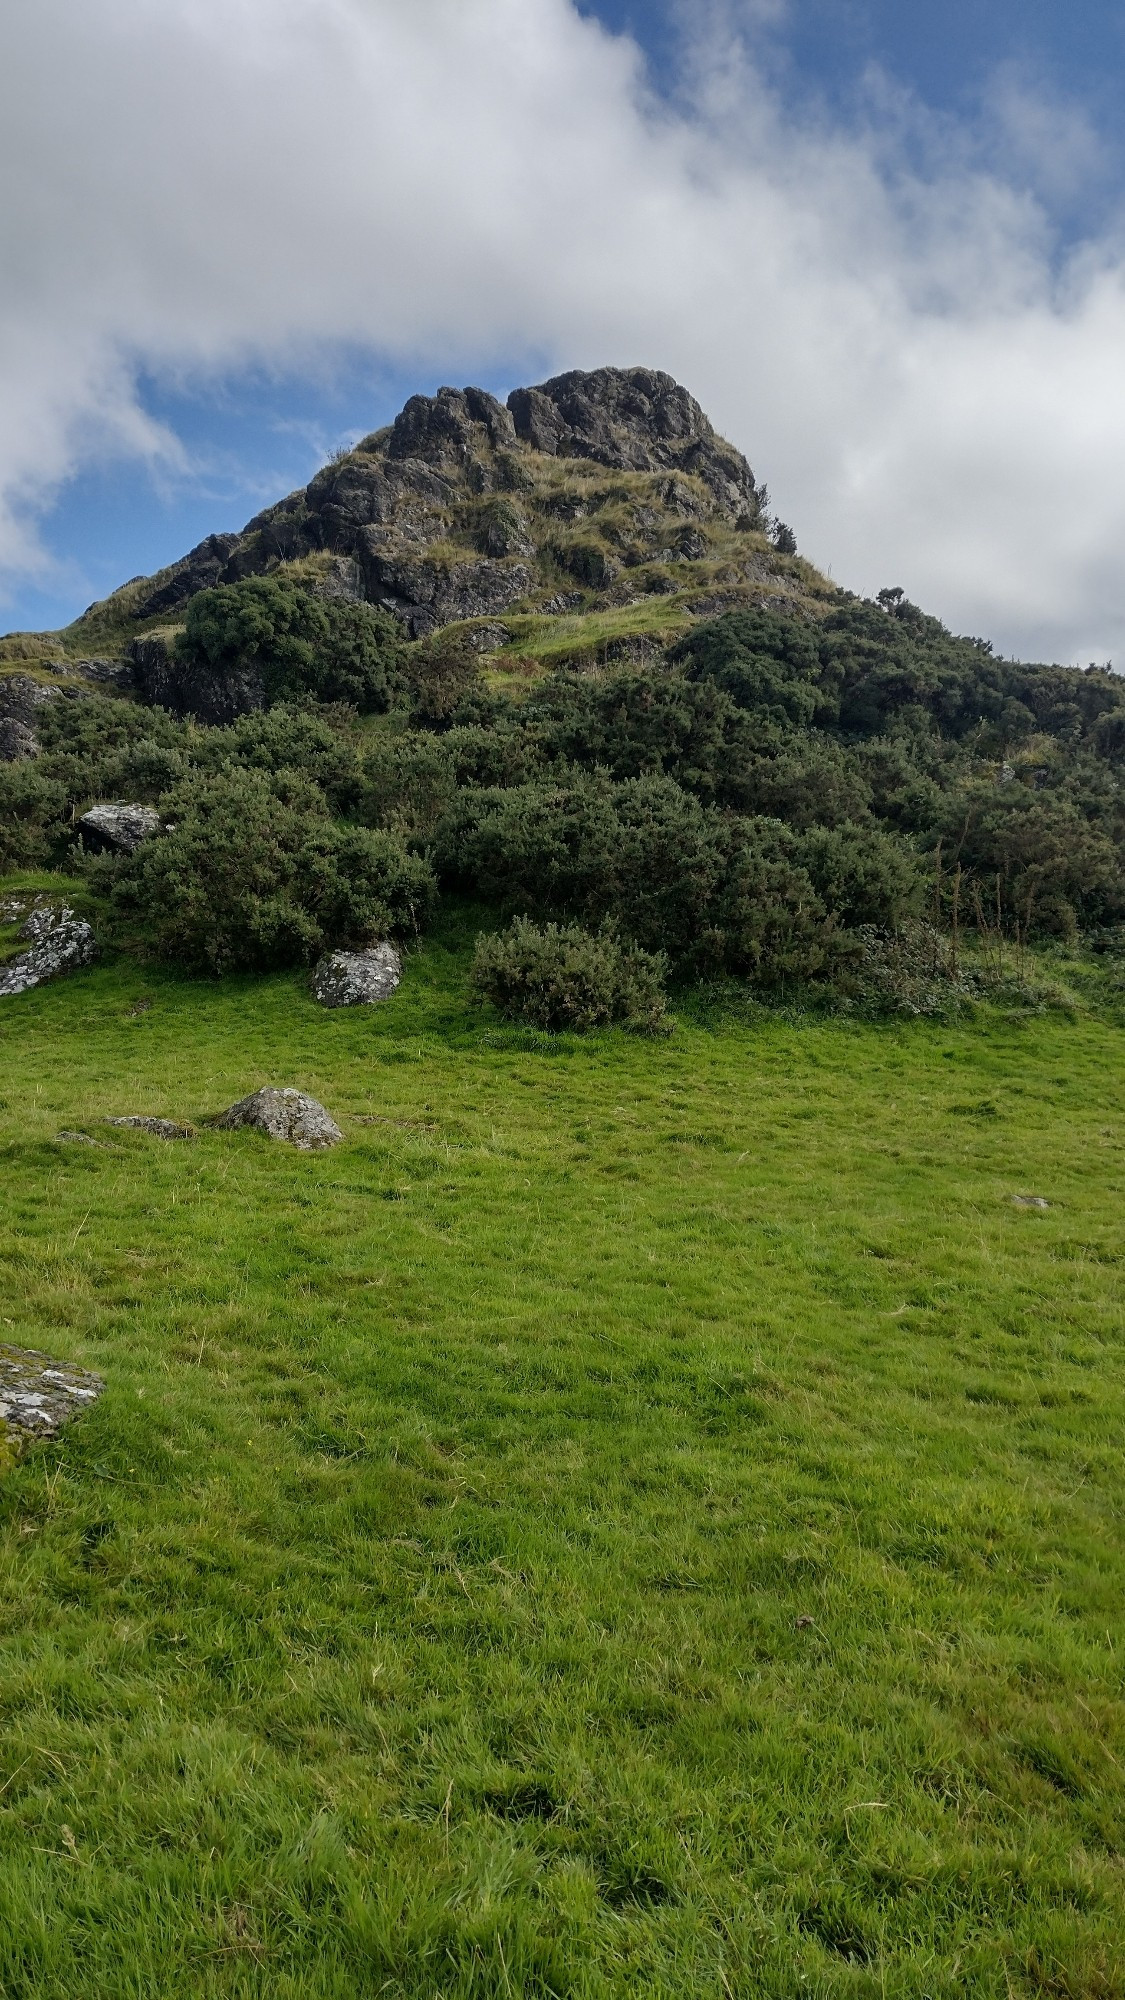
[197, 184]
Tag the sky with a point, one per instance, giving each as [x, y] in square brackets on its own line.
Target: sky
[884, 244]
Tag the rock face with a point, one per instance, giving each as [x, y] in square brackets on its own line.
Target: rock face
[118, 828]
[636, 419]
[157, 1128]
[357, 978]
[284, 1114]
[38, 1396]
[456, 511]
[164, 680]
[17, 740]
[59, 942]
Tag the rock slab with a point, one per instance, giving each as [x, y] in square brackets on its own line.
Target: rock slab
[38, 1396]
[157, 1128]
[119, 827]
[284, 1114]
[59, 942]
[357, 978]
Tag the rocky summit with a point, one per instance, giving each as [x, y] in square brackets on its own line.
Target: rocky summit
[592, 490]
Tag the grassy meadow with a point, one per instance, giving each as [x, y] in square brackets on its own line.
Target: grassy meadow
[635, 1519]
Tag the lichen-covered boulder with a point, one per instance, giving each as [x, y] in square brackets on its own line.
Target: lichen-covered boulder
[157, 1128]
[59, 942]
[357, 978]
[38, 1396]
[117, 827]
[284, 1114]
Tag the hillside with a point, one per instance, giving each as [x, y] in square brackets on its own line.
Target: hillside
[638, 1512]
[607, 493]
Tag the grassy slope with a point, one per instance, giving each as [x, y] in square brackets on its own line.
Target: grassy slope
[634, 1519]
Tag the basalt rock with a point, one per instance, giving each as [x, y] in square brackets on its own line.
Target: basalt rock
[17, 740]
[638, 420]
[118, 828]
[403, 519]
[205, 566]
[164, 679]
[357, 978]
[59, 942]
[284, 1114]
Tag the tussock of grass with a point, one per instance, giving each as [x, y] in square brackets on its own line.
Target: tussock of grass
[633, 1519]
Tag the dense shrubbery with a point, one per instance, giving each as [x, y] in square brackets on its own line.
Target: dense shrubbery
[562, 976]
[781, 800]
[300, 643]
[257, 874]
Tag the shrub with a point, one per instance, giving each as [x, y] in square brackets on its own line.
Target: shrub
[32, 816]
[765, 662]
[565, 977]
[285, 738]
[255, 874]
[442, 674]
[300, 643]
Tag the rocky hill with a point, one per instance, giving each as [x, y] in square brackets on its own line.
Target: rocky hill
[606, 493]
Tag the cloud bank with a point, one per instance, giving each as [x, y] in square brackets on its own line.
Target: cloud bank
[936, 398]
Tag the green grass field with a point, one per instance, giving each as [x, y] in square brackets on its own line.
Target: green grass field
[636, 1519]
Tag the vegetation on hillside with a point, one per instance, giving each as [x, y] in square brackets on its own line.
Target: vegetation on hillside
[778, 799]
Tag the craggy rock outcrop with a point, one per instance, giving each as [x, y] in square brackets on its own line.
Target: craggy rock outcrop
[164, 680]
[638, 420]
[284, 1114]
[38, 1396]
[203, 567]
[157, 1128]
[357, 978]
[428, 517]
[59, 942]
[115, 676]
[118, 828]
[428, 595]
[17, 740]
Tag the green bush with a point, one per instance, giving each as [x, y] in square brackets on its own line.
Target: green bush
[300, 643]
[32, 816]
[766, 663]
[255, 874]
[565, 977]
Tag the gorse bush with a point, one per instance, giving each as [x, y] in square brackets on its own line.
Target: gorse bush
[300, 643]
[776, 800]
[562, 976]
[256, 874]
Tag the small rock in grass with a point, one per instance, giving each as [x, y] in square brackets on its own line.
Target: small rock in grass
[38, 1396]
[81, 1139]
[284, 1114]
[357, 978]
[160, 1128]
[59, 942]
[119, 827]
[1029, 1201]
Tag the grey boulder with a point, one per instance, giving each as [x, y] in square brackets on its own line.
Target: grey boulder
[157, 1128]
[284, 1114]
[59, 942]
[17, 740]
[120, 828]
[38, 1396]
[357, 978]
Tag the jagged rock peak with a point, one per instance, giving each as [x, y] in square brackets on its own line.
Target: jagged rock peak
[638, 419]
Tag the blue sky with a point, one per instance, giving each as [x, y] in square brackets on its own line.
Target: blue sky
[1007, 116]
